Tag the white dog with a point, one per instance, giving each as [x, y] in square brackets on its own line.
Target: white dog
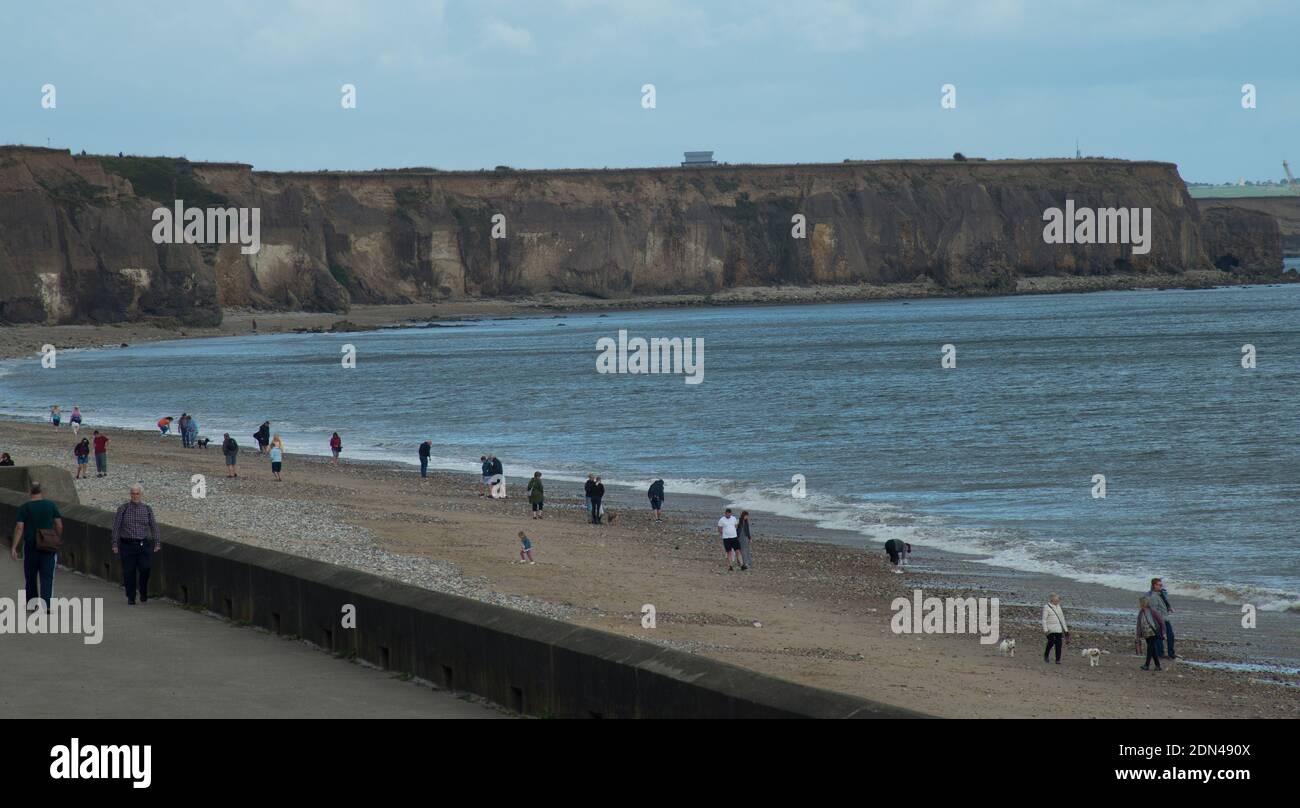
[1007, 648]
[1094, 656]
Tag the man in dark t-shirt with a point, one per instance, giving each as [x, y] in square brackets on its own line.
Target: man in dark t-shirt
[37, 513]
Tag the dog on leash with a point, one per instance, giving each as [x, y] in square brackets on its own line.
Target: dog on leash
[1007, 648]
[202, 443]
[1094, 656]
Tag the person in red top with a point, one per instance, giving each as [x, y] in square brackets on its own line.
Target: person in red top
[336, 446]
[101, 454]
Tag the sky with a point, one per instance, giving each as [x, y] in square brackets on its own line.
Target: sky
[467, 84]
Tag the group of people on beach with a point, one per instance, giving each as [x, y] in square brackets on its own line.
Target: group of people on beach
[1155, 632]
[74, 420]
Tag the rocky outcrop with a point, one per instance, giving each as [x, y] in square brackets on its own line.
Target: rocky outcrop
[1285, 210]
[1240, 240]
[75, 232]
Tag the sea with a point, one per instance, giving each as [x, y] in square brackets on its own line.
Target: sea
[1103, 437]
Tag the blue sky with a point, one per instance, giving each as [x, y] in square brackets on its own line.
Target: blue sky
[557, 83]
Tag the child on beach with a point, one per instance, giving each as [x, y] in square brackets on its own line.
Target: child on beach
[5, 459]
[164, 424]
[55, 416]
[336, 446]
[525, 549]
[76, 419]
[82, 452]
[277, 457]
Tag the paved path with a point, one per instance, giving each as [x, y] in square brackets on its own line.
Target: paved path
[159, 660]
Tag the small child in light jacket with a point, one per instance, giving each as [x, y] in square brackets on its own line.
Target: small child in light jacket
[526, 549]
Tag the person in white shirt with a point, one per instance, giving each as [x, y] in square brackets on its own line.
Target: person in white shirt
[1054, 626]
[730, 544]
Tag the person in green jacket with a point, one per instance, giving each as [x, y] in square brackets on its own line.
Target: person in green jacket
[535, 494]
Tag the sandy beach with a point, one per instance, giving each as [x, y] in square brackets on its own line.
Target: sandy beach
[814, 612]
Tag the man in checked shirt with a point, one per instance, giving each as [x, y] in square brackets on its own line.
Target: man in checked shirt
[136, 539]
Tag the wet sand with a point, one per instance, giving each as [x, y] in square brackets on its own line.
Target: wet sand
[814, 609]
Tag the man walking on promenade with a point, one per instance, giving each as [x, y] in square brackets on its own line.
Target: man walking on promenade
[136, 539]
[101, 454]
[35, 516]
[1160, 603]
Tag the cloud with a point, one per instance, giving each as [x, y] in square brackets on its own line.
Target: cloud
[514, 37]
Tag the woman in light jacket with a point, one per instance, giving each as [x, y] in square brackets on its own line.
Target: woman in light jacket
[1054, 626]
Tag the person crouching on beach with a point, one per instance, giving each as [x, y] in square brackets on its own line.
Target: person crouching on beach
[1150, 627]
[535, 494]
[277, 457]
[896, 548]
[82, 452]
[230, 448]
[165, 424]
[336, 447]
[525, 549]
[1054, 626]
[730, 544]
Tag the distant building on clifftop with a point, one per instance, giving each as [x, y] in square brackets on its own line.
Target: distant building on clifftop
[699, 158]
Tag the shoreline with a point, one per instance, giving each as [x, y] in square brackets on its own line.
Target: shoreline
[27, 339]
[827, 599]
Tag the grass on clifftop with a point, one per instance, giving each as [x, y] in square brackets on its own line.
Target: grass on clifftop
[163, 179]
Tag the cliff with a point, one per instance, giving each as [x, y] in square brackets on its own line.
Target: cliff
[76, 246]
[1285, 210]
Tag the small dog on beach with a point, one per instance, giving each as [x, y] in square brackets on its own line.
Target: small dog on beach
[610, 517]
[203, 442]
[1007, 648]
[1094, 656]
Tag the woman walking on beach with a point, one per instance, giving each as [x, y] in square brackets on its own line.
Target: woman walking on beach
[277, 457]
[230, 449]
[743, 536]
[1150, 627]
[1054, 626]
[336, 447]
[82, 452]
[76, 419]
[535, 494]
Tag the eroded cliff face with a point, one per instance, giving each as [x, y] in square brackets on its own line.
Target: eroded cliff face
[75, 232]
